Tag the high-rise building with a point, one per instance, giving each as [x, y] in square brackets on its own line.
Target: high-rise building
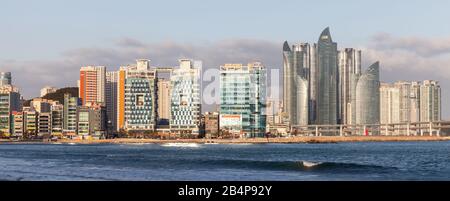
[405, 90]
[5, 78]
[242, 99]
[327, 80]
[430, 101]
[389, 104]
[164, 96]
[296, 66]
[122, 74]
[9, 102]
[57, 118]
[368, 96]
[48, 89]
[92, 84]
[415, 102]
[70, 114]
[111, 90]
[185, 103]
[349, 65]
[139, 100]
[405, 102]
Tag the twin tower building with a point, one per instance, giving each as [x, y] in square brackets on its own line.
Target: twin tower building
[326, 86]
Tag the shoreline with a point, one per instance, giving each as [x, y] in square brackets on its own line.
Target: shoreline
[290, 140]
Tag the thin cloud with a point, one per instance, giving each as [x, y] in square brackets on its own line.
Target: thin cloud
[401, 58]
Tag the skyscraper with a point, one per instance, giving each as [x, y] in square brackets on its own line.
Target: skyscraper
[389, 104]
[92, 84]
[327, 80]
[242, 99]
[70, 114]
[349, 65]
[122, 74]
[430, 101]
[288, 79]
[111, 99]
[140, 98]
[415, 102]
[296, 66]
[404, 102]
[405, 90]
[9, 102]
[164, 96]
[185, 101]
[368, 96]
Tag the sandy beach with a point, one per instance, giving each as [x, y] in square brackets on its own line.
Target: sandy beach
[321, 139]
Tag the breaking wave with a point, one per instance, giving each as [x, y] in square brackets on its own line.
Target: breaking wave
[295, 165]
[180, 145]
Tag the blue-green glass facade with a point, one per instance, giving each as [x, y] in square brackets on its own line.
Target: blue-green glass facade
[243, 92]
[140, 103]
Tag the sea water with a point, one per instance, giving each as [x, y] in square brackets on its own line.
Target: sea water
[231, 162]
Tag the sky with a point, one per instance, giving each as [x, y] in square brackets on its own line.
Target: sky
[46, 42]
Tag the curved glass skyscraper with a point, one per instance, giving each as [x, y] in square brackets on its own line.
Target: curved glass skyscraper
[368, 96]
[327, 79]
[296, 66]
[288, 81]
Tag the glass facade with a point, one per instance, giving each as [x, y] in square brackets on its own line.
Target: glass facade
[4, 113]
[368, 96]
[349, 64]
[297, 66]
[70, 113]
[242, 99]
[185, 103]
[9, 102]
[327, 100]
[140, 102]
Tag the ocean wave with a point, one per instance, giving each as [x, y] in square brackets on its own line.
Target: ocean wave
[180, 145]
[294, 165]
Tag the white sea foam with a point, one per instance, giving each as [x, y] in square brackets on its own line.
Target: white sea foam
[180, 145]
[309, 164]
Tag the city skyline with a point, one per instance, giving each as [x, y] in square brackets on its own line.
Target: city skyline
[409, 47]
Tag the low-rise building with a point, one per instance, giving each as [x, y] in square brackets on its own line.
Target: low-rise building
[44, 124]
[211, 124]
[18, 124]
[91, 121]
[31, 122]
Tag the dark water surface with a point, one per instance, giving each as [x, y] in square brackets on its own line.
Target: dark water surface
[342, 161]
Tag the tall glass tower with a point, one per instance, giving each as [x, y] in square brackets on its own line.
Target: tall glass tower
[243, 99]
[296, 66]
[185, 100]
[349, 64]
[368, 96]
[327, 99]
